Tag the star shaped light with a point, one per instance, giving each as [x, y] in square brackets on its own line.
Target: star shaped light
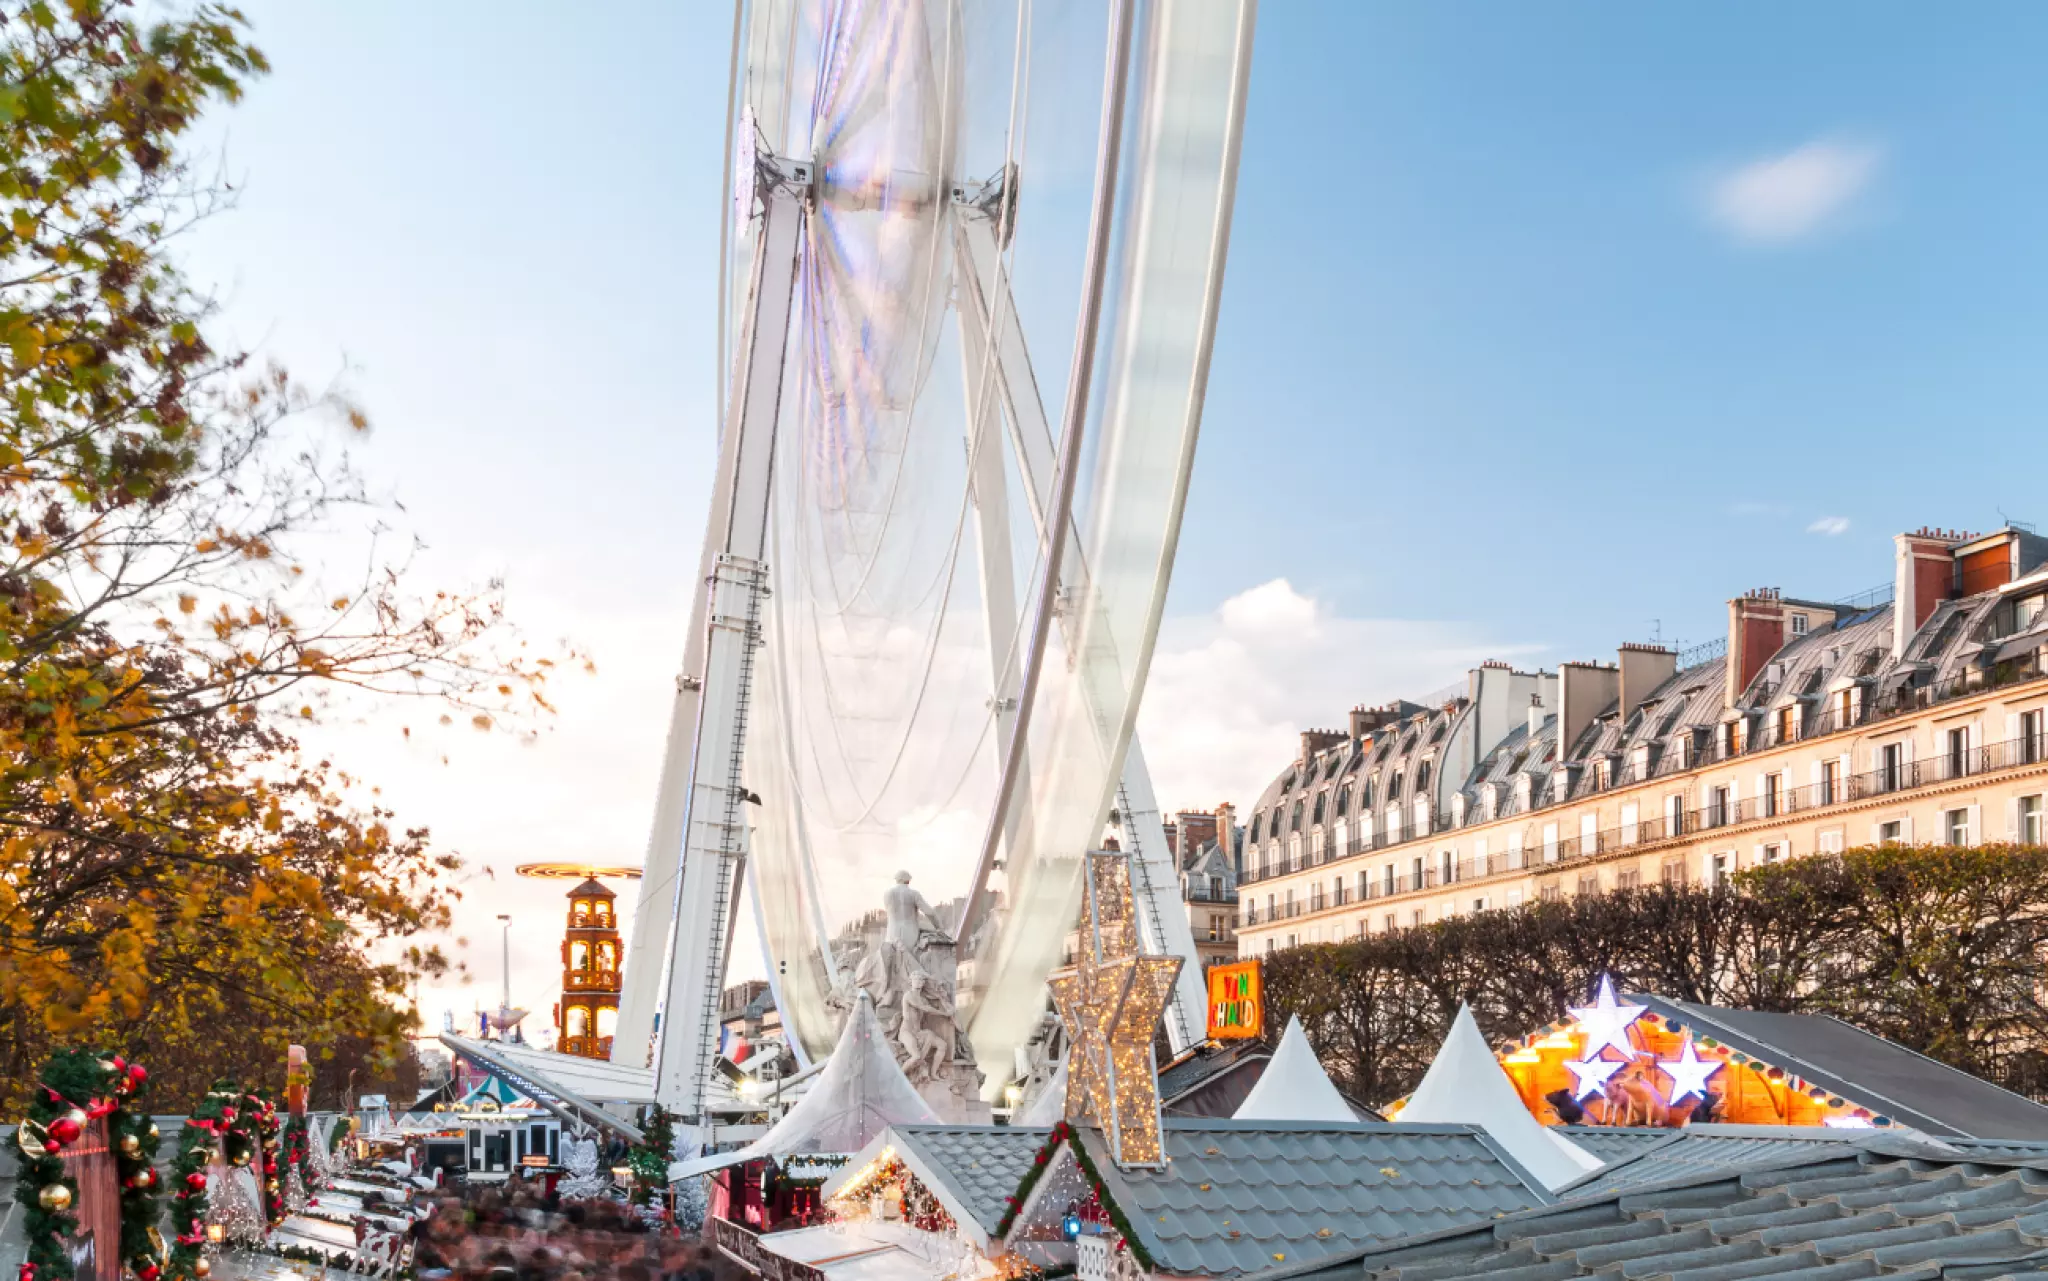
[1606, 1021]
[1688, 1072]
[1592, 1075]
[1110, 1003]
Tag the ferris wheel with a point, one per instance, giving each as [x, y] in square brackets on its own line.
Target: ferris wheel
[971, 255]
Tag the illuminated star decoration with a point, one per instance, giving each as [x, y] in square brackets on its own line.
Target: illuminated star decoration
[1688, 1072]
[1592, 1075]
[1606, 1022]
[1110, 1004]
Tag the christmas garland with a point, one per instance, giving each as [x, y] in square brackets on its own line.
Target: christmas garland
[265, 1125]
[298, 1150]
[649, 1158]
[189, 1203]
[1064, 1133]
[76, 1088]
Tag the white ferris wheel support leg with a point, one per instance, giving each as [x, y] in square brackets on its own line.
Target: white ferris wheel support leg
[714, 819]
[989, 321]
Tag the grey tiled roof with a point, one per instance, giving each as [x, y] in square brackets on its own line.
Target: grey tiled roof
[1700, 1148]
[981, 1165]
[1240, 1196]
[1875, 1207]
[1613, 1143]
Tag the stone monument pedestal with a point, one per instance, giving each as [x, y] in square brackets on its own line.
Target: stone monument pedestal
[958, 1101]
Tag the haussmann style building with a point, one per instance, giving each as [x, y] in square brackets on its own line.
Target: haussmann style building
[1917, 714]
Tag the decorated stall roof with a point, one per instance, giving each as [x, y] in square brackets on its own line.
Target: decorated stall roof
[1235, 1197]
[1638, 1061]
[973, 1170]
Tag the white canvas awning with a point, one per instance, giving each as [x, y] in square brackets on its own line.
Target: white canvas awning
[1294, 1086]
[1466, 1085]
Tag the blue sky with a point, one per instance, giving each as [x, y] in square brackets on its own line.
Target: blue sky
[1541, 323]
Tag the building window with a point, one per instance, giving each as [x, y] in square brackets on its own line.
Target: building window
[1788, 724]
[1830, 782]
[1422, 777]
[1830, 842]
[1673, 872]
[1388, 923]
[1269, 947]
[1724, 866]
[1552, 893]
[1417, 880]
[1479, 905]
[1215, 928]
[1628, 879]
[2030, 737]
[1889, 833]
[1773, 853]
[1294, 940]
[1415, 919]
[1956, 827]
[1774, 794]
[2028, 829]
[1717, 807]
[1799, 624]
[1589, 883]
[1891, 767]
[1958, 752]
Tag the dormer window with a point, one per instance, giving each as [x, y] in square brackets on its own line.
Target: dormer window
[1799, 624]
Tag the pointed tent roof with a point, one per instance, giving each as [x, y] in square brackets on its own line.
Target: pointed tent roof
[495, 1090]
[1294, 1087]
[1466, 1084]
[860, 1093]
[591, 888]
[1051, 1103]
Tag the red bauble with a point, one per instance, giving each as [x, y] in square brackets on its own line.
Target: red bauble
[227, 1114]
[136, 1073]
[270, 1167]
[196, 1181]
[52, 1147]
[66, 1130]
[28, 1272]
[149, 1272]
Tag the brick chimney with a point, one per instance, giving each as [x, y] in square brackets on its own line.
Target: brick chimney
[1756, 630]
[1924, 569]
[1643, 668]
[1364, 720]
[1317, 740]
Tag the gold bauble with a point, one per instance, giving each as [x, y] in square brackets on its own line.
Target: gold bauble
[154, 1133]
[241, 1158]
[270, 1185]
[130, 1145]
[55, 1198]
[201, 1267]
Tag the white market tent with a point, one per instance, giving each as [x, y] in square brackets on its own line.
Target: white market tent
[1466, 1085]
[1294, 1086]
[860, 1093]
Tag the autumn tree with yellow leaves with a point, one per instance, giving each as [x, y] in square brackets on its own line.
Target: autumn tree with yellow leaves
[176, 880]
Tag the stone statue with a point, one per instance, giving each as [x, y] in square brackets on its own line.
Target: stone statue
[927, 1034]
[907, 912]
[909, 973]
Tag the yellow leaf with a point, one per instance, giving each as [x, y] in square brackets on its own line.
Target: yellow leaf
[187, 602]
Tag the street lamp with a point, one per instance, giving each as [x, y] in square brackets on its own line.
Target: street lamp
[505, 1001]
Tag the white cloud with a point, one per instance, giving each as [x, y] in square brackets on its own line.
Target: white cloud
[1829, 526]
[1230, 693]
[1781, 198]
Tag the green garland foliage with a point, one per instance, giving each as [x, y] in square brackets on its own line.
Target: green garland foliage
[189, 1203]
[76, 1086]
[1063, 1133]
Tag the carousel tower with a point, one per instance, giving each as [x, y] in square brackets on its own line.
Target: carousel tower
[590, 973]
[591, 953]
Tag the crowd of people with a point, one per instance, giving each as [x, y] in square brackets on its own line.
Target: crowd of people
[522, 1234]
